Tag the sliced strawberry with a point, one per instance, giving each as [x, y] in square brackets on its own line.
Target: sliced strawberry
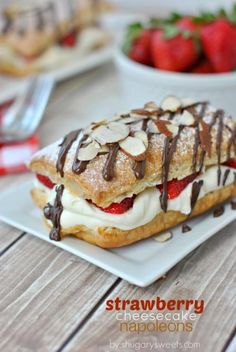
[231, 163]
[69, 40]
[119, 208]
[175, 187]
[174, 54]
[45, 181]
[203, 67]
[219, 44]
[141, 48]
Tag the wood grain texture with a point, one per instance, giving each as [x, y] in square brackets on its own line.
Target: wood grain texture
[45, 293]
[208, 273]
[8, 234]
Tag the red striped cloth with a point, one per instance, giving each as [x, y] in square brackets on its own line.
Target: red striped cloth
[13, 156]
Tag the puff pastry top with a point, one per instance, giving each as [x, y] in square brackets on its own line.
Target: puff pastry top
[111, 160]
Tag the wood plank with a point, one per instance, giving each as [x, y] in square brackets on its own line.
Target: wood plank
[9, 234]
[207, 273]
[45, 293]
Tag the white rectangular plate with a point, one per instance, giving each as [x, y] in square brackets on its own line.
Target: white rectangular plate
[11, 86]
[141, 263]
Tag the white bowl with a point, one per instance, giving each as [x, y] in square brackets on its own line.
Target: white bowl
[163, 8]
[141, 83]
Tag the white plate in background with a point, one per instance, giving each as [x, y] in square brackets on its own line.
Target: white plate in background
[10, 86]
[140, 263]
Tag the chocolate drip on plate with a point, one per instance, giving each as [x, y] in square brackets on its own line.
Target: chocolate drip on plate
[218, 211]
[233, 205]
[196, 188]
[139, 166]
[109, 167]
[226, 174]
[53, 213]
[186, 228]
[65, 145]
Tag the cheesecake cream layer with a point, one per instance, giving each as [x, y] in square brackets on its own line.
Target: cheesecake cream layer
[146, 205]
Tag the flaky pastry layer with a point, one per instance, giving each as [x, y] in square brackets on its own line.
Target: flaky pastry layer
[91, 185]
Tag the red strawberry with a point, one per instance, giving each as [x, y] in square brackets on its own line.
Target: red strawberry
[203, 67]
[119, 208]
[45, 181]
[231, 163]
[174, 54]
[141, 48]
[175, 187]
[188, 24]
[219, 45]
[69, 39]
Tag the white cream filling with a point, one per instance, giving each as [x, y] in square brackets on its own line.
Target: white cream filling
[78, 211]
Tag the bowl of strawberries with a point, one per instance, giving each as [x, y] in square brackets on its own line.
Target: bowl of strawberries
[185, 55]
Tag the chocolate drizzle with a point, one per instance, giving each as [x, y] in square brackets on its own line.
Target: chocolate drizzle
[196, 188]
[232, 142]
[79, 166]
[226, 174]
[53, 213]
[168, 152]
[139, 166]
[65, 145]
[109, 167]
[197, 141]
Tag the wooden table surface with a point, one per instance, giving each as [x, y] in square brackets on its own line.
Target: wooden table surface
[53, 301]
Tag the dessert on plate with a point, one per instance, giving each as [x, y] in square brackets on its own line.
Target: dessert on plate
[38, 36]
[147, 170]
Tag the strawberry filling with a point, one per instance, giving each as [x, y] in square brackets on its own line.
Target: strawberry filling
[231, 163]
[69, 40]
[45, 181]
[119, 208]
[175, 187]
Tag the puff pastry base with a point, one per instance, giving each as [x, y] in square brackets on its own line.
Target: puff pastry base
[110, 237]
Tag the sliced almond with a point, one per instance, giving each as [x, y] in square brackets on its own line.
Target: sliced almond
[187, 102]
[163, 237]
[110, 133]
[152, 127]
[151, 105]
[133, 147]
[130, 119]
[89, 152]
[173, 129]
[186, 119]
[103, 149]
[143, 136]
[171, 103]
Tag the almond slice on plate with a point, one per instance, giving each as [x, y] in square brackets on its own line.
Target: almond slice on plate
[110, 133]
[89, 152]
[134, 148]
[171, 103]
[143, 136]
[163, 237]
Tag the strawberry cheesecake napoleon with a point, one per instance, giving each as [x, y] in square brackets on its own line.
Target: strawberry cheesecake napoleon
[147, 170]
